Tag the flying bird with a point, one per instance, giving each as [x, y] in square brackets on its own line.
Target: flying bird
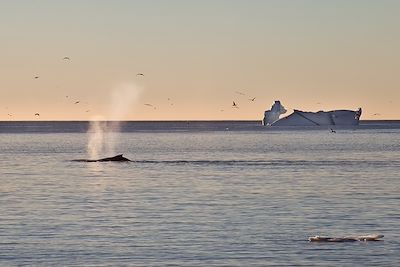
[333, 131]
[77, 102]
[252, 99]
[150, 105]
[234, 105]
[140, 74]
[36, 77]
[66, 58]
[10, 115]
[376, 114]
[87, 110]
[37, 114]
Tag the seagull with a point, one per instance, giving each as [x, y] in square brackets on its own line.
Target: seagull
[150, 105]
[333, 131]
[234, 105]
[37, 114]
[252, 99]
[77, 102]
[140, 74]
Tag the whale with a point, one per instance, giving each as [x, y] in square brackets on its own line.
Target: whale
[117, 158]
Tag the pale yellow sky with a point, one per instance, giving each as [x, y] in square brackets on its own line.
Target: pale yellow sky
[195, 56]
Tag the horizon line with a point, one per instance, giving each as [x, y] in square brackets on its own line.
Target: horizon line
[381, 120]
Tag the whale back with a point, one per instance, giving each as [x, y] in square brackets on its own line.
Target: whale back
[119, 157]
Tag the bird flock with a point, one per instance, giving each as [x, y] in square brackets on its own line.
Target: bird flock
[236, 102]
[75, 102]
[241, 97]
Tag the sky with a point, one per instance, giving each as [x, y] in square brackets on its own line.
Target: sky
[197, 57]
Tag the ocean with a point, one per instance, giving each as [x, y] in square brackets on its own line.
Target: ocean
[227, 193]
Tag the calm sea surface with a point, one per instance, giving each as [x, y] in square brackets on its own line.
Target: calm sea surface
[199, 194]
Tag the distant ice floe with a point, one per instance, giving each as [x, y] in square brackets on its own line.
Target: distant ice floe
[373, 237]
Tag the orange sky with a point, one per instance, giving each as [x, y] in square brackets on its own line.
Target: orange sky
[196, 56]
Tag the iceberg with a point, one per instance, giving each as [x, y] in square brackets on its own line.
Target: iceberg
[340, 117]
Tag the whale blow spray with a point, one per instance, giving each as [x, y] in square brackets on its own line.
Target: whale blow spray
[103, 131]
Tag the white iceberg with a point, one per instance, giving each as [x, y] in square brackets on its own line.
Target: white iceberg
[304, 118]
